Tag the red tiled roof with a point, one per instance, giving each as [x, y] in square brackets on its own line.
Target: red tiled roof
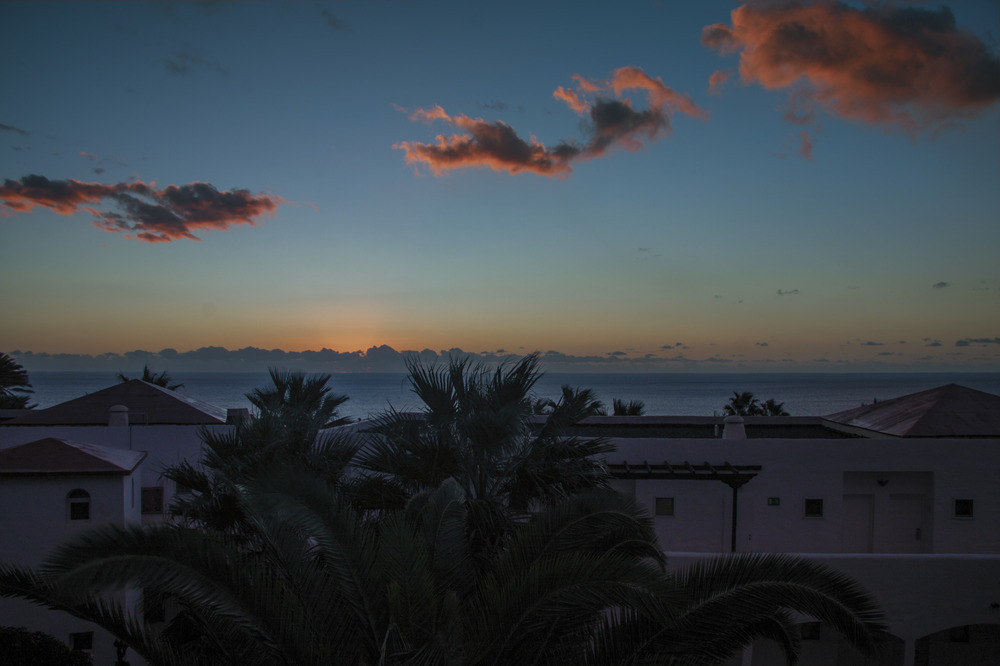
[62, 456]
[147, 404]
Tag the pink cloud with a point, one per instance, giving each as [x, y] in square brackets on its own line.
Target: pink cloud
[141, 210]
[902, 67]
[612, 121]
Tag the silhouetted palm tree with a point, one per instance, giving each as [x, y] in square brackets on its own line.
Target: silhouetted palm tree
[285, 429]
[15, 387]
[160, 379]
[742, 404]
[630, 408]
[772, 408]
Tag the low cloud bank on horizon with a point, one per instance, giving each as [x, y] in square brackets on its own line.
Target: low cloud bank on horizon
[384, 358]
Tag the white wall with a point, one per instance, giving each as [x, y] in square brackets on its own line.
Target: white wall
[34, 519]
[165, 445]
[794, 470]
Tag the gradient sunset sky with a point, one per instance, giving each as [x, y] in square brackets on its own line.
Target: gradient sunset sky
[689, 184]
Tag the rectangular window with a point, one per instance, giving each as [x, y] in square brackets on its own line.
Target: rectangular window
[814, 508]
[774, 501]
[79, 510]
[83, 640]
[664, 506]
[152, 500]
[963, 508]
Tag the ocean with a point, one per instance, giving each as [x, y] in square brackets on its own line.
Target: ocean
[689, 394]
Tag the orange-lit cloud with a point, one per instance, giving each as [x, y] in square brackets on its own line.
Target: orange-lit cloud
[806, 146]
[612, 122]
[143, 212]
[717, 80]
[903, 67]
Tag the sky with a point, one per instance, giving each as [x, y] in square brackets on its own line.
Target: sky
[643, 185]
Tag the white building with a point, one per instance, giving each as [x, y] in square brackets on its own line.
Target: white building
[135, 416]
[903, 495]
[131, 420]
[50, 490]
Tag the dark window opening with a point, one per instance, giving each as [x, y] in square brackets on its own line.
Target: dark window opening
[664, 506]
[814, 508]
[78, 502]
[152, 500]
[963, 508]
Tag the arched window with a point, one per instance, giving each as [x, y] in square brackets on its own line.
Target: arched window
[78, 504]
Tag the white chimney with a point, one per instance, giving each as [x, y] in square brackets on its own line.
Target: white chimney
[733, 428]
[118, 416]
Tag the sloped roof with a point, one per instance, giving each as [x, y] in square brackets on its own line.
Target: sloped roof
[945, 411]
[63, 456]
[148, 404]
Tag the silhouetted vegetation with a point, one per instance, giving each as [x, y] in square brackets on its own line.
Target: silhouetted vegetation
[745, 404]
[160, 379]
[630, 408]
[15, 387]
[21, 647]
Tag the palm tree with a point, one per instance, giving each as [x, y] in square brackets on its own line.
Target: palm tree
[581, 581]
[772, 408]
[476, 428]
[746, 404]
[15, 387]
[630, 408]
[286, 429]
[160, 379]
[742, 404]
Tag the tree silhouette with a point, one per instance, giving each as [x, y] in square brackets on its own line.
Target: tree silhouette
[745, 404]
[15, 387]
[160, 379]
[630, 408]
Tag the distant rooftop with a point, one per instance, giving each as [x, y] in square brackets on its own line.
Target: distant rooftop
[148, 404]
[63, 456]
[945, 411]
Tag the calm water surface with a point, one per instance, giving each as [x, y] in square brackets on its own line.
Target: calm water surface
[663, 393]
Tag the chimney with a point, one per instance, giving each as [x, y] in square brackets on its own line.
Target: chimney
[237, 415]
[118, 415]
[733, 428]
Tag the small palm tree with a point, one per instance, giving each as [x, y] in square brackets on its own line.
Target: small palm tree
[15, 387]
[160, 379]
[772, 408]
[630, 408]
[743, 404]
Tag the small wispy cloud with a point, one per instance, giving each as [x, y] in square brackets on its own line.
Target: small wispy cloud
[184, 63]
[965, 342]
[333, 22]
[940, 285]
[15, 130]
[787, 292]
